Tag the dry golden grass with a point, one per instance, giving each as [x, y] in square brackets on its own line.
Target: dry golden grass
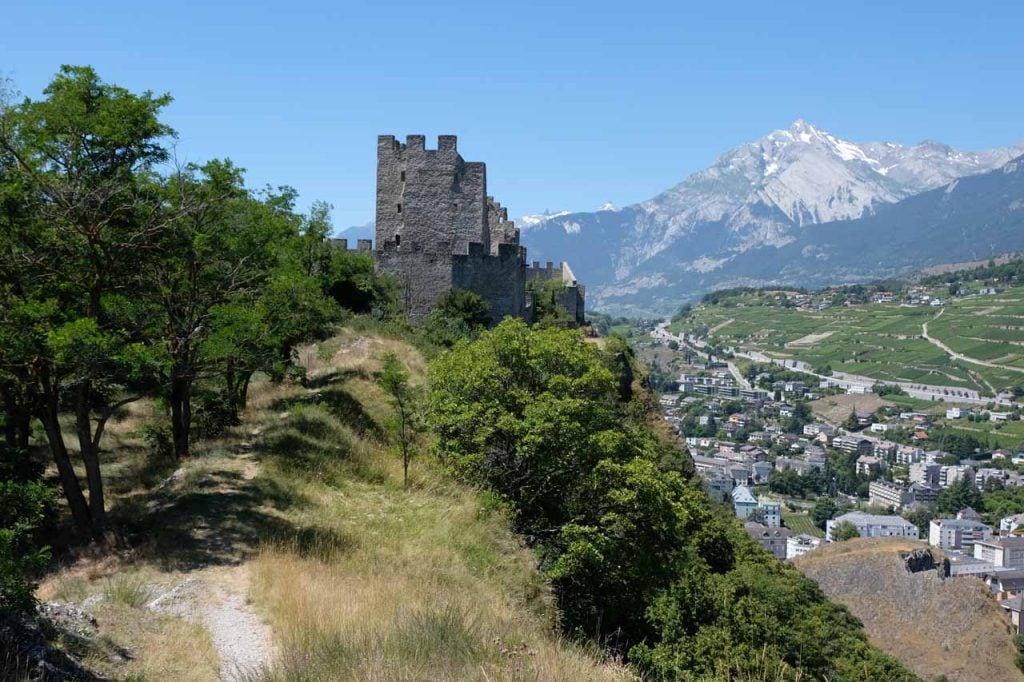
[952, 628]
[162, 647]
[359, 577]
[388, 583]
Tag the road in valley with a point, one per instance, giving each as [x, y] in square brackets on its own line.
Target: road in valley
[843, 380]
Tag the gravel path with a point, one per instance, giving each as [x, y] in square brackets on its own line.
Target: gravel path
[215, 598]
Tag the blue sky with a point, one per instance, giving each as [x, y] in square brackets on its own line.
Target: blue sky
[570, 104]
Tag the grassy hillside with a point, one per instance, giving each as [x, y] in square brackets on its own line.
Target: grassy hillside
[927, 623]
[301, 512]
[881, 341]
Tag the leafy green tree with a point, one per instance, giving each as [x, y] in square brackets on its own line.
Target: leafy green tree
[460, 314]
[238, 285]
[80, 162]
[852, 423]
[823, 511]
[844, 530]
[958, 495]
[24, 502]
[545, 308]
[527, 413]
[921, 518]
[394, 379]
[786, 482]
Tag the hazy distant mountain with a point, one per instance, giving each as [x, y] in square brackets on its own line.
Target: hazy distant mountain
[766, 194]
[355, 232]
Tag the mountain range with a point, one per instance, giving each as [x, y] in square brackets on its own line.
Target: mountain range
[800, 206]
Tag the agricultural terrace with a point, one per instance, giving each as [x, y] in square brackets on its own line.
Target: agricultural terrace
[882, 341]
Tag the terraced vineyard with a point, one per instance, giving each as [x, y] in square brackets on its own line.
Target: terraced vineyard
[801, 523]
[885, 342]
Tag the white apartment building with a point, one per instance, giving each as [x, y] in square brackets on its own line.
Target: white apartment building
[1001, 552]
[874, 526]
[885, 494]
[957, 533]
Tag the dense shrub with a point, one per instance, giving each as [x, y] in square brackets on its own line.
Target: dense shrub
[638, 557]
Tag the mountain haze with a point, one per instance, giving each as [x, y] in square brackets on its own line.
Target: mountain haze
[756, 199]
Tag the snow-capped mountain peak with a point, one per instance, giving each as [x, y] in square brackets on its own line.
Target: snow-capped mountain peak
[761, 194]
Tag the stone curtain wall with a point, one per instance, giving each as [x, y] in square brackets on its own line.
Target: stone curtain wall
[499, 279]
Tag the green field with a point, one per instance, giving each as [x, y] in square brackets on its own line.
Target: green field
[801, 523]
[1008, 435]
[880, 341]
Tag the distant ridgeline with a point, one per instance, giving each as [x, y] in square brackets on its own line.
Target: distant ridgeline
[437, 230]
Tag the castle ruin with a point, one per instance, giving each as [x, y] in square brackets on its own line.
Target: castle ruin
[437, 230]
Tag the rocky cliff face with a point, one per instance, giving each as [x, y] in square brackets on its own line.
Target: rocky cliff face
[764, 195]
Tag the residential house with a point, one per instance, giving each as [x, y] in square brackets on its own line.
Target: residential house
[884, 448]
[743, 502]
[968, 514]
[818, 428]
[852, 444]
[989, 477]
[718, 487]
[1006, 584]
[1008, 524]
[760, 471]
[882, 427]
[957, 533]
[739, 473]
[874, 525]
[771, 511]
[998, 416]
[908, 455]
[774, 539]
[920, 472]
[950, 474]
[868, 465]
[798, 545]
[924, 493]
[1014, 606]
[956, 413]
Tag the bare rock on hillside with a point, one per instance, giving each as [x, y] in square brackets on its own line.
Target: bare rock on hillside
[952, 628]
[26, 651]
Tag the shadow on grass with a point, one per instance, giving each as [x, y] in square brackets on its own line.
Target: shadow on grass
[342, 405]
[221, 519]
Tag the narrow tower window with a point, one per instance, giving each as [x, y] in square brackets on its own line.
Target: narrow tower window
[399, 208]
[403, 176]
[398, 240]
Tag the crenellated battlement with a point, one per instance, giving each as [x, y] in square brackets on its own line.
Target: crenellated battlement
[362, 245]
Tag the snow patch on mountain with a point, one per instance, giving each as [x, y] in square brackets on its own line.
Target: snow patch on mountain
[527, 222]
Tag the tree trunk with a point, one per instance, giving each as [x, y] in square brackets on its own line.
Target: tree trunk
[17, 420]
[90, 457]
[68, 481]
[181, 415]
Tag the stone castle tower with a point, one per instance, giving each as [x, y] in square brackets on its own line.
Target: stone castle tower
[437, 230]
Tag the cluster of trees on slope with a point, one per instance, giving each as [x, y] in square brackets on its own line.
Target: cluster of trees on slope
[640, 559]
[123, 276]
[1011, 272]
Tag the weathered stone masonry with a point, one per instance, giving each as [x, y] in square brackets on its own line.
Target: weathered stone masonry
[437, 230]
